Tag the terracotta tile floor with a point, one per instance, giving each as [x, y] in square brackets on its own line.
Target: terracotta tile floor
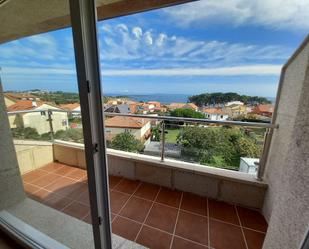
[154, 216]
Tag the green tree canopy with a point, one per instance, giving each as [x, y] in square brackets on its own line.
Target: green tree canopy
[186, 113]
[218, 146]
[25, 133]
[205, 99]
[73, 135]
[126, 142]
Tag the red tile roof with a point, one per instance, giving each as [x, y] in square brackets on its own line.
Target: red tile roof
[265, 108]
[70, 107]
[126, 122]
[214, 111]
[19, 96]
[24, 105]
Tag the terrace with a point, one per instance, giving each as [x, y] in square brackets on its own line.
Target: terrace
[143, 212]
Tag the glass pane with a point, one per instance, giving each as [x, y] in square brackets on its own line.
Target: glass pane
[41, 97]
[182, 63]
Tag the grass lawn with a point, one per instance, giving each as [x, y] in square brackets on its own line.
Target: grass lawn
[171, 135]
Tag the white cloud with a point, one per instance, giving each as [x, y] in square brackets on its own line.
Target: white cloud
[276, 14]
[137, 32]
[122, 27]
[259, 69]
[148, 38]
[221, 71]
[161, 39]
[42, 40]
[36, 71]
[120, 44]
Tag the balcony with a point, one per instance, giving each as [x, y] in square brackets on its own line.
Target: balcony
[146, 206]
[144, 212]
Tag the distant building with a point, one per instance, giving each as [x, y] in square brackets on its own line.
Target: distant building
[156, 104]
[235, 108]
[140, 128]
[215, 114]
[233, 103]
[120, 108]
[37, 120]
[11, 98]
[263, 110]
[74, 107]
[174, 106]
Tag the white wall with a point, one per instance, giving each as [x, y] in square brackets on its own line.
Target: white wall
[216, 117]
[137, 133]
[39, 121]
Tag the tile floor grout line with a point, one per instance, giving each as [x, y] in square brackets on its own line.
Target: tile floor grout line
[36, 178]
[51, 181]
[52, 192]
[184, 210]
[208, 223]
[174, 230]
[62, 209]
[79, 180]
[251, 229]
[242, 231]
[65, 196]
[53, 172]
[143, 223]
[88, 213]
[192, 241]
[146, 225]
[117, 183]
[140, 183]
[115, 216]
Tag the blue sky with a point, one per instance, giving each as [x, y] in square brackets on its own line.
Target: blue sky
[204, 46]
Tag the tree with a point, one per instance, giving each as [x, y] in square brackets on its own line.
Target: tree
[218, 146]
[156, 134]
[205, 99]
[73, 135]
[186, 113]
[126, 142]
[25, 133]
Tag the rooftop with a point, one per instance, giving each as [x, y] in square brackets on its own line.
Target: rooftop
[23, 105]
[214, 111]
[265, 108]
[19, 96]
[70, 106]
[126, 122]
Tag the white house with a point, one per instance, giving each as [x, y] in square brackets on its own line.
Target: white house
[140, 128]
[73, 107]
[232, 103]
[215, 114]
[37, 120]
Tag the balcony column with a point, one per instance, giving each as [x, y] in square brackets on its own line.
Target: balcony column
[286, 202]
[11, 187]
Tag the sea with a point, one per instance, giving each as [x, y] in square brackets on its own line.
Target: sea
[163, 98]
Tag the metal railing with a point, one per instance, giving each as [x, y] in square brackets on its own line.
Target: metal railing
[266, 143]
